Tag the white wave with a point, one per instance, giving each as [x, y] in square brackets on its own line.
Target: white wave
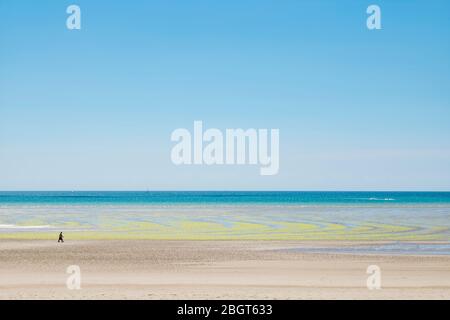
[379, 199]
[13, 226]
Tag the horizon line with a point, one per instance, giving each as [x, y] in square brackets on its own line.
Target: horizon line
[220, 190]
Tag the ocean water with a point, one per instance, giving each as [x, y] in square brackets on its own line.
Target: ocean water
[393, 248]
[400, 217]
[224, 197]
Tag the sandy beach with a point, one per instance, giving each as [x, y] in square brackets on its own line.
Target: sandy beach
[150, 269]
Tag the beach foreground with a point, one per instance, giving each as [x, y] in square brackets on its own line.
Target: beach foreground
[150, 269]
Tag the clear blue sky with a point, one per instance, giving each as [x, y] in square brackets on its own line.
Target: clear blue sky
[94, 109]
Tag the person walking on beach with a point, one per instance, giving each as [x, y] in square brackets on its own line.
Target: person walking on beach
[61, 237]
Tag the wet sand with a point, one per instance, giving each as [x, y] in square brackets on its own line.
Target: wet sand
[151, 269]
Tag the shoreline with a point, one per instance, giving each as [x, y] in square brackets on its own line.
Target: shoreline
[220, 222]
[236, 269]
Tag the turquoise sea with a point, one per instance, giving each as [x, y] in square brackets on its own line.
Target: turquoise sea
[396, 217]
[223, 197]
